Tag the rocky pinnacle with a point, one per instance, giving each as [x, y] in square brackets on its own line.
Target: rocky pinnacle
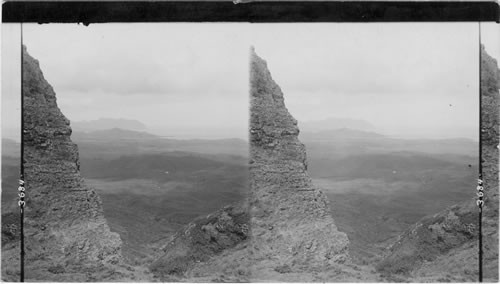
[65, 227]
[290, 218]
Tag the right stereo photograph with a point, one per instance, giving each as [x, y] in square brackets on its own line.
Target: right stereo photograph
[373, 152]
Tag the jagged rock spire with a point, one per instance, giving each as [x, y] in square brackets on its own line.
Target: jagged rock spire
[290, 217]
[65, 230]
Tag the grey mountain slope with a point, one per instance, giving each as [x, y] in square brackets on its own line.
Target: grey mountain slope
[108, 123]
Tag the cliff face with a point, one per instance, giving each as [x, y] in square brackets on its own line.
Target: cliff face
[291, 236]
[445, 246]
[65, 230]
[290, 218]
[490, 113]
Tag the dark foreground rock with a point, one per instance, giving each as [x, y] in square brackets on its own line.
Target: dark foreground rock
[202, 239]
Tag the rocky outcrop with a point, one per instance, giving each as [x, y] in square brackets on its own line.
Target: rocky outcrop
[202, 239]
[445, 246]
[66, 235]
[290, 218]
[432, 237]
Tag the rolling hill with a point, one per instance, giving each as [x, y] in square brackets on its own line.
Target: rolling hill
[116, 142]
[378, 186]
[149, 186]
[169, 189]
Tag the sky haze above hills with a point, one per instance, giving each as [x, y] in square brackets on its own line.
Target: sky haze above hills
[409, 80]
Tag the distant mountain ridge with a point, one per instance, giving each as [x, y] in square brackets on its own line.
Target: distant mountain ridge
[117, 142]
[351, 141]
[112, 134]
[108, 123]
[332, 123]
[120, 133]
[346, 133]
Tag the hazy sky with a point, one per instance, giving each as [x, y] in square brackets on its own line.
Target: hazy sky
[189, 80]
[408, 80]
[168, 76]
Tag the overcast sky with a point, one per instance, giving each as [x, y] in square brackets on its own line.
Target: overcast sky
[191, 80]
[180, 78]
[408, 80]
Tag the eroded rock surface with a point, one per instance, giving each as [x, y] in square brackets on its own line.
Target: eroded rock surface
[202, 239]
[444, 247]
[291, 221]
[66, 235]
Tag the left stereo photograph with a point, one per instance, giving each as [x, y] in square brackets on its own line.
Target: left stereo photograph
[134, 140]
